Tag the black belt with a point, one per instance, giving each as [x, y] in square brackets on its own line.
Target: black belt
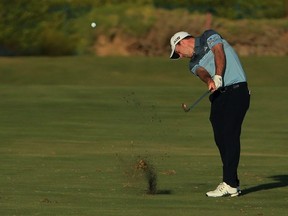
[232, 87]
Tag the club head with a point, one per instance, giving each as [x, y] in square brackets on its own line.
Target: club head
[185, 108]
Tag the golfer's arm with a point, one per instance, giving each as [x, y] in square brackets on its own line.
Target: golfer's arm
[219, 58]
[203, 74]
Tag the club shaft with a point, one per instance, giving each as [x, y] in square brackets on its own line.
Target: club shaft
[198, 100]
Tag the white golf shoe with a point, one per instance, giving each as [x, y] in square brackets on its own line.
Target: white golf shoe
[224, 189]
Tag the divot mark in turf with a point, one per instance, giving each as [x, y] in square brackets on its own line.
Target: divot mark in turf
[150, 175]
[47, 201]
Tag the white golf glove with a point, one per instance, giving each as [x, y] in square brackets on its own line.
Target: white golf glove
[218, 81]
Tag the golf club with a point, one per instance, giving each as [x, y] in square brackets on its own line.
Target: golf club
[187, 109]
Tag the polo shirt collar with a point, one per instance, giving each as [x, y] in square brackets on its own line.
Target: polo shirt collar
[197, 46]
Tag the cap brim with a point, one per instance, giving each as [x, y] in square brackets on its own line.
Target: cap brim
[174, 55]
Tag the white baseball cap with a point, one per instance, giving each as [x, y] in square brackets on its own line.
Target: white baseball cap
[174, 40]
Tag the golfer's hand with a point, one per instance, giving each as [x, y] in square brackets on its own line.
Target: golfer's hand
[211, 86]
[218, 81]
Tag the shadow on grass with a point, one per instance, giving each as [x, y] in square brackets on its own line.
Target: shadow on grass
[163, 192]
[160, 192]
[279, 181]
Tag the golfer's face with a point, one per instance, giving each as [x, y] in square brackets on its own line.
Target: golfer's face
[183, 50]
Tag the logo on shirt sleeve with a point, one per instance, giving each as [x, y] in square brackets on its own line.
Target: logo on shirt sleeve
[213, 40]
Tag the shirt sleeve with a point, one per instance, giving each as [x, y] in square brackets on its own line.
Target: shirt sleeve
[213, 40]
[194, 69]
[194, 65]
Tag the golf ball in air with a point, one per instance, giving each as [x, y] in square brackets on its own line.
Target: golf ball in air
[93, 24]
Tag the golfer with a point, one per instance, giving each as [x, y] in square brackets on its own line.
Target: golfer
[215, 62]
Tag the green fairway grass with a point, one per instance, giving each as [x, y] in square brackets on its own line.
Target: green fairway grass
[72, 130]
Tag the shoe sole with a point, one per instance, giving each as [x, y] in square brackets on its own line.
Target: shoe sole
[235, 195]
[227, 195]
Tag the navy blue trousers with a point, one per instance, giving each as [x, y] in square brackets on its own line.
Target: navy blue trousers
[228, 109]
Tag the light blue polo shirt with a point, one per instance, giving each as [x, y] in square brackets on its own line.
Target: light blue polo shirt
[204, 57]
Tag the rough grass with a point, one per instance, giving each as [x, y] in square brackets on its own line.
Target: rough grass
[72, 130]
